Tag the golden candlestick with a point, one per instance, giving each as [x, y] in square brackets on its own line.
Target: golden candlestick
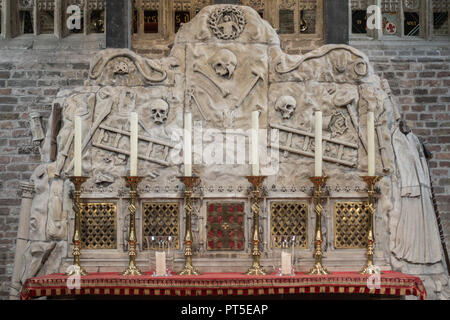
[189, 183]
[318, 268]
[256, 182]
[132, 270]
[370, 181]
[77, 268]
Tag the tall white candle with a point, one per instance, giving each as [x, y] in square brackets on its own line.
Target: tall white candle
[133, 143]
[188, 144]
[77, 146]
[255, 143]
[318, 144]
[370, 144]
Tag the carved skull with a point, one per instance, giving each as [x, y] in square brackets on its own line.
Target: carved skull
[286, 105]
[121, 67]
[159, 111]
[224, 63]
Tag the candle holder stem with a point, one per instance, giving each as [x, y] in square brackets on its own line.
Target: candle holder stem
[256, 182]
[189, 183]
[318, 268]
[132, 269]
[370, 268]
[77, 269]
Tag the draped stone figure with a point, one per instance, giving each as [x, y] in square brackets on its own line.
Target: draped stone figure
[417, 234]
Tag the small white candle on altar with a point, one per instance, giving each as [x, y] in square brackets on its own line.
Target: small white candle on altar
[286, 263]
[160, 263]
[370, 144]
[77, 146]
[188, 144]
[133, 143]
[318, 144]
[255, 143]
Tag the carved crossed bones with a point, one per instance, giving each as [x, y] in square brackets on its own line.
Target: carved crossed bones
[251, 85]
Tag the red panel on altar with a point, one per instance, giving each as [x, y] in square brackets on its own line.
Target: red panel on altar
[225, 226]
[222, 284]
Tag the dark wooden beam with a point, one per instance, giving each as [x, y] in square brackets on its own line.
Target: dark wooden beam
[336, 21]
[118, 23]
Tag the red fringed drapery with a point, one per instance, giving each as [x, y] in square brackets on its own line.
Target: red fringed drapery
[222, 284]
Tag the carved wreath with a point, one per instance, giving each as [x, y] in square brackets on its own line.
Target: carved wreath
[227, 23]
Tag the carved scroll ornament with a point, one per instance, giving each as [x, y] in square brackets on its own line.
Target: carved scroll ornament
[146, 67]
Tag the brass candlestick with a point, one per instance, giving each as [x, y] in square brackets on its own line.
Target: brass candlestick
[77, 268]
[132, 270]
[256, 182]
[189, 183]
[371, 181]
[318, 268]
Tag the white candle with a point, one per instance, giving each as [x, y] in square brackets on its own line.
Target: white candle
[160, 263]
[133, 144]
[370, 144]
[188, 144]
[77, 146]
[255, 143]
[286, 263]
[318, 144]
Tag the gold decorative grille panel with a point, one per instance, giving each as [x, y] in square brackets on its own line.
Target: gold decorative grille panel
[160, 219]
[350, 225]
[98, 225]
[289, 218]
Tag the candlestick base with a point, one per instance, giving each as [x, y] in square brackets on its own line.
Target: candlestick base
[371, 269]
[256, 271]
[189, 271]
[318, 269]
[76, 270]
[132, 271]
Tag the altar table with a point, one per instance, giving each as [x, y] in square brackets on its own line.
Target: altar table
[222, 284]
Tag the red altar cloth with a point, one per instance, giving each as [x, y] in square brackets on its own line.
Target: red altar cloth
[222, 284]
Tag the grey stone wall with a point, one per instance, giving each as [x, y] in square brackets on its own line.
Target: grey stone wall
[32, 72]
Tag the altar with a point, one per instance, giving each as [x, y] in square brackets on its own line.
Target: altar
[229, 156]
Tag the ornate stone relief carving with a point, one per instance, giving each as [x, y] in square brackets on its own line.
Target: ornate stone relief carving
[159, 111]
[36, 128]
[338, 124]
[221, 82]
[224, 63]
[112, 63]
[286, 106]
[227, 23]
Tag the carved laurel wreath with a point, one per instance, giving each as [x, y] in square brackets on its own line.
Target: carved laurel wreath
[216, 17]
